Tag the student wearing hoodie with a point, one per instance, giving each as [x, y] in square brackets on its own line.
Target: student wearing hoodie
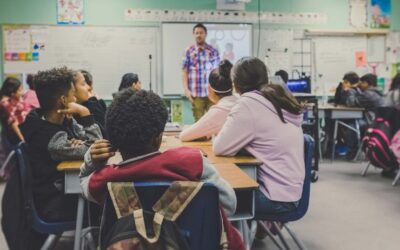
[266, 122]
[219, 93]
[53, 136]
[366, 95]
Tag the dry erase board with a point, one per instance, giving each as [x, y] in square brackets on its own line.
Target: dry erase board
[106, 52]
[176, 37]
[335, 56]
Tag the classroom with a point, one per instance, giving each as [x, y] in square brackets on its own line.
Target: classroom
[200, 124]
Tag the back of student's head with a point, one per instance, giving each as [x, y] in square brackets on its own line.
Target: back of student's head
[371, 79]
[220, 79]
[283, 74]
[135, 120]
[128, 80]
[10, 86]
[351, 77]
[29, 81]
[395, 82]
[51, 85]
[250, 74]
[88, 77]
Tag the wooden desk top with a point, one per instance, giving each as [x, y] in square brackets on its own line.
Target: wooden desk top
[172, 142]
[229, 171]
[206, 148]
[339, 107]
[330, 106]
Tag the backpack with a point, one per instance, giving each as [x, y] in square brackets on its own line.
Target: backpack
[376, 145]
[135, 228]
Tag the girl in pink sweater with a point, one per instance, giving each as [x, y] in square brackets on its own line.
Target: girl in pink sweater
[220, 93]
[266, 121]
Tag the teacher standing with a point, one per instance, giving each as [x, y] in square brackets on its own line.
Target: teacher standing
[199, 60]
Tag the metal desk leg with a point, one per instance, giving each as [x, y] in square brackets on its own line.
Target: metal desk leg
[244, 230]
[334, 140]
[79, 222]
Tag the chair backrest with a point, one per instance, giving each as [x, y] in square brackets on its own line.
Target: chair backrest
[305, 196]
[200, 221]
[26, 186]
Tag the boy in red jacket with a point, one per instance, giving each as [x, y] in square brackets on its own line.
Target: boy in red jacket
[135, 122]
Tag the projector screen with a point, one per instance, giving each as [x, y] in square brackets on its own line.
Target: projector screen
[233, 42]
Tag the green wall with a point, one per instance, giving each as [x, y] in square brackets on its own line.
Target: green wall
[111, 12]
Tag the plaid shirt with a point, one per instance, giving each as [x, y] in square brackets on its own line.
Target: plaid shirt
[13, 110]
[199, 62]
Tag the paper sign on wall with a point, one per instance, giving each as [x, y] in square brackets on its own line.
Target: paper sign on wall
[70, 11]
[361, 59]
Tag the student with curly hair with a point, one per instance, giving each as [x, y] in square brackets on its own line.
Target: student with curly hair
[220, 93]
[54, 136]
[135, 123]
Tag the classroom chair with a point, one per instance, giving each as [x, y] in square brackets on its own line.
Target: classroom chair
[301, 210]
[54, 229]
[8, 149]
[200, 221]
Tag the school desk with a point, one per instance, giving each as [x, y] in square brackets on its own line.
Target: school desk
[338, 114]
[243, 185]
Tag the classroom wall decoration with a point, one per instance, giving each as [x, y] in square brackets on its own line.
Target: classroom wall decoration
[17, 44]
[156, 15]
[106, 52]
[358, 13]
[70, 11]
[380, 13]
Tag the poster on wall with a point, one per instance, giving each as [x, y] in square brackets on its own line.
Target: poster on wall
[380, 13]
[70, 12]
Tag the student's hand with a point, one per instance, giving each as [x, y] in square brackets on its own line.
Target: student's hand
[346, 87]
[76, 142]
[74, 109]
[188, 94]
[101, 151]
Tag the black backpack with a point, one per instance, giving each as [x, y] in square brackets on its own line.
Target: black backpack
[131, 227]
[376, 145]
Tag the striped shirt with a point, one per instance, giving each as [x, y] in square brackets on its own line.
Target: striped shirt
[199, 62]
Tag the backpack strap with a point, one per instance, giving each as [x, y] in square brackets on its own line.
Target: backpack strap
[124, 198]
[176, 198]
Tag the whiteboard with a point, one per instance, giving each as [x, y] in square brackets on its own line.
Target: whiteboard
[176, 37]
[335, 56]
[106, 52]
[276, 48]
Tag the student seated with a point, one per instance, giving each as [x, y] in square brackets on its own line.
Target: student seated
[89, 81]
[219, 93]
[266, 122]
[130, 80]
[366, 95]
[393, 97]
[13, 109]
[30, 97]
[54, 136]
[346, 88]
[135, 122]
[83, 94]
